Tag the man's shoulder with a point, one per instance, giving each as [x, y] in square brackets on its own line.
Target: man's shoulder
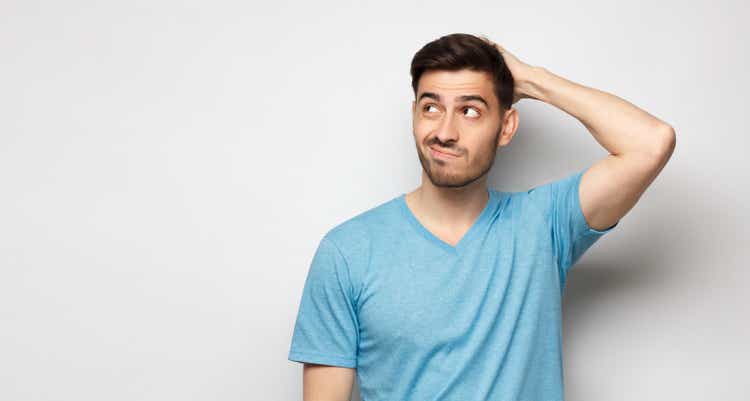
[542, 196]
[526, 204]
[366, 224]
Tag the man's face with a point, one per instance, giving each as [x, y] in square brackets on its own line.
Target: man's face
[456, 112]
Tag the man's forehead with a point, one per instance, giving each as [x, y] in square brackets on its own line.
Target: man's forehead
[456, 83]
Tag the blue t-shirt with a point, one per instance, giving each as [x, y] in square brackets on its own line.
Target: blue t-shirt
[421, 319]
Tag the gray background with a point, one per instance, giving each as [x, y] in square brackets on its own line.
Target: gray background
[167, 169]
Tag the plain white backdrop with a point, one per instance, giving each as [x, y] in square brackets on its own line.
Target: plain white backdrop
[168, 167]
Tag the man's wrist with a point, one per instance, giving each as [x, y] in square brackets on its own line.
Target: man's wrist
[532, 83]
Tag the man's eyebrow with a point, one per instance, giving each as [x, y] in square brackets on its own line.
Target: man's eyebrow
[464, 98]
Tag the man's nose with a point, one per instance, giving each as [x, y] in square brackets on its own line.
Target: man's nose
[447, 130]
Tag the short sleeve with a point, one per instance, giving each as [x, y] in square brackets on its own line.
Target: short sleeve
[326, 330]
[571, 234]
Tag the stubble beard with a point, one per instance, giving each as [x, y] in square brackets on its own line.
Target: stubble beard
[445, 174]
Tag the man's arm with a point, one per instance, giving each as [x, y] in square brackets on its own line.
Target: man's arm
[639, 144]
[326, 332]
[327, 383]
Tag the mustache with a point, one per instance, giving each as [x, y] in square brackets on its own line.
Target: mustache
[446, 149]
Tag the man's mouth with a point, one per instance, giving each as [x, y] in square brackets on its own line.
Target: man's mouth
[442, 154]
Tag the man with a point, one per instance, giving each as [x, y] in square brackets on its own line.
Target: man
[453, 291]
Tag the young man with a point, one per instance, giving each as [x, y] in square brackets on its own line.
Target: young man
[453, 291]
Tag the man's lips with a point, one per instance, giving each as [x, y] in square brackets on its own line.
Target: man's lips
[441, 153]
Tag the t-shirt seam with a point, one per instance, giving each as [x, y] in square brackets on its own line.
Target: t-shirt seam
[352, 291]
[354, 298]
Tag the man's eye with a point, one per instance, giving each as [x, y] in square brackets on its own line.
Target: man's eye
[477, 114]
[472, 109]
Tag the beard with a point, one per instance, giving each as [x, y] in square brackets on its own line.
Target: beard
[454, 173]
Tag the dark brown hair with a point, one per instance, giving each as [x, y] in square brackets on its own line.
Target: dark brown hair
[459, 51]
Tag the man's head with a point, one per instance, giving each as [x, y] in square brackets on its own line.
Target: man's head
[463, 94]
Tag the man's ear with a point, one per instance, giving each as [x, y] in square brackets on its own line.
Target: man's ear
[413, 106]
[510, 126]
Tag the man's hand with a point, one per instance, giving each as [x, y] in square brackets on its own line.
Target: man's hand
[521, 73]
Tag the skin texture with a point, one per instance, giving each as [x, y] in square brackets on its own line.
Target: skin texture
[469, 129]
[327, 383]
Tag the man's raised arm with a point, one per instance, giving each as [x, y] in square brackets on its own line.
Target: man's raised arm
[639, 143]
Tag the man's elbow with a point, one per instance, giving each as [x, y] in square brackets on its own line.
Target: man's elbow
[667, 142]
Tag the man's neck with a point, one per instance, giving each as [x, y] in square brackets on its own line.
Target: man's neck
[449, 210]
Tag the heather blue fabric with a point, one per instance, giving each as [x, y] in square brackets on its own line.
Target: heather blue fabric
[423, 320]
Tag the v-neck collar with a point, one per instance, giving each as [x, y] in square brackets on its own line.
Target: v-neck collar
[467, 237]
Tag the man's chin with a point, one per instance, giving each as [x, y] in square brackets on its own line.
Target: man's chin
[448, 182]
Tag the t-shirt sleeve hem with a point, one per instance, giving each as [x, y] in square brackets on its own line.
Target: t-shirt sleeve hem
[581, 219]
[310, 357]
